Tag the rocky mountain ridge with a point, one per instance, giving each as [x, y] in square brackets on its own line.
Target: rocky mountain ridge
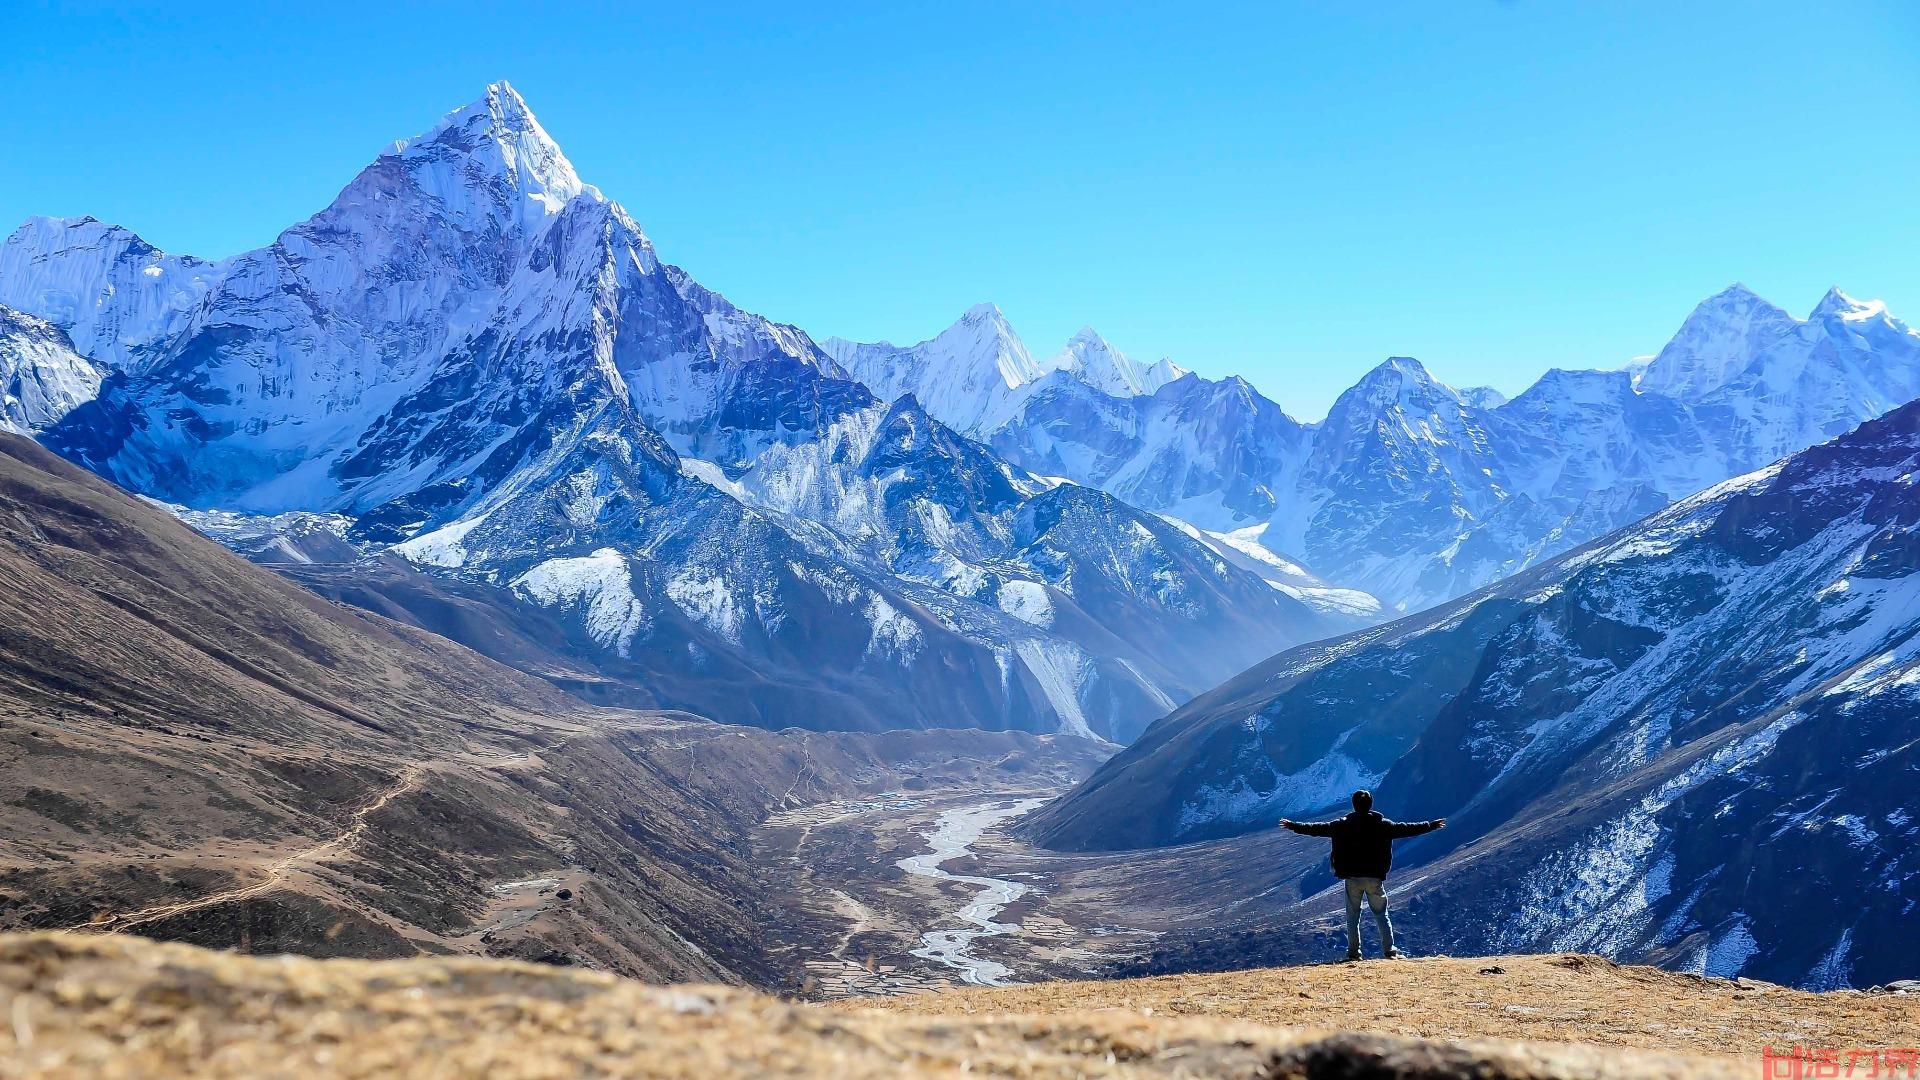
[1409, 489]
[1683, 742]
[481, 361]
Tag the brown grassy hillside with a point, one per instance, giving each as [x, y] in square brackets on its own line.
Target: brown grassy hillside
[114, 1007]
[1553, 998]
[193, 748]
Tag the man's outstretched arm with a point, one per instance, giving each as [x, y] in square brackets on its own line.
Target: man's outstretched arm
[1401, 829]
[1310, 828]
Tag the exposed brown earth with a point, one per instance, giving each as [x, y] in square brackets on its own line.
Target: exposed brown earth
[115, 1006]
[194, 748]
[1564, 998]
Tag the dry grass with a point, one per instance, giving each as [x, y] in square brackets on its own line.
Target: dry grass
[115, 1006]
[1554, 998]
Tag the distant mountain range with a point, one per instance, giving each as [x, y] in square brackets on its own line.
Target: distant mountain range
[1693, 741]
[479, 364]
[1656, 632]
[476, 362]
[1411, 490]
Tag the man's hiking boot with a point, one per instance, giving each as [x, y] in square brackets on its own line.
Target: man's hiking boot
[1396, 954]
[1353, 958]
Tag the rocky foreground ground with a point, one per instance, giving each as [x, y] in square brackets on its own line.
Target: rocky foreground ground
[117, 1006]
[1554, 998]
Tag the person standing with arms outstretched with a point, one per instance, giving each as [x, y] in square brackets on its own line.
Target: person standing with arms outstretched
[1362, 855]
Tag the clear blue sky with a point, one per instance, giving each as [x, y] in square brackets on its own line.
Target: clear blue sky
[1288, 192]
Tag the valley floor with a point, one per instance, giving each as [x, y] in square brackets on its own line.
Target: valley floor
[890, 945]
[874, 908]
[862, 919]
[1081, 917]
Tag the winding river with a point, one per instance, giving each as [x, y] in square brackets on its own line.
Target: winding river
[952, 836]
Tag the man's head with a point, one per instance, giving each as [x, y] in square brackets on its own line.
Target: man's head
[1363, 800]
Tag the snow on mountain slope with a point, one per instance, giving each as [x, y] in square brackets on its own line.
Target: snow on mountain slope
[972, 375]
[1243, 548]
[480, 359]
[117, 297]
[1849, 360]
[1482, 397]
[1090, 413]
[1206, 452]
[1093, 360]
[1699, 728]
[298, 350]
[915, 500]
[1417, 493]
[1725, 332]
[41, 378]
[678, 589]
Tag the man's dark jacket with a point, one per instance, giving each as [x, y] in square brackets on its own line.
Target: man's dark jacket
[1363, 841]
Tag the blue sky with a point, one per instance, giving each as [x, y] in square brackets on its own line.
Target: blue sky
[1288, 192]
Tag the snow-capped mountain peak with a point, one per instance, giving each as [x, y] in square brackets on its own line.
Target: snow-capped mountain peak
[970, 374]
[475, 360]
[315, 358]
[499, 127]
[1838, 305]
[1493, 484]
[1482, 397]
[977, 374]
[1400, 381]
[1093, 360]
[1720, 336]
[1736, 295]
[488, 157]
[1164, 371]
[983, 332]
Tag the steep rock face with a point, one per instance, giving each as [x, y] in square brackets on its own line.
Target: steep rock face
[1097, 577]
[676, 587]
[478, 360]
[1416, 492]
[41, 378]
[418, 332]
[1399, 463]
[118, 298]
[1643, 745]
